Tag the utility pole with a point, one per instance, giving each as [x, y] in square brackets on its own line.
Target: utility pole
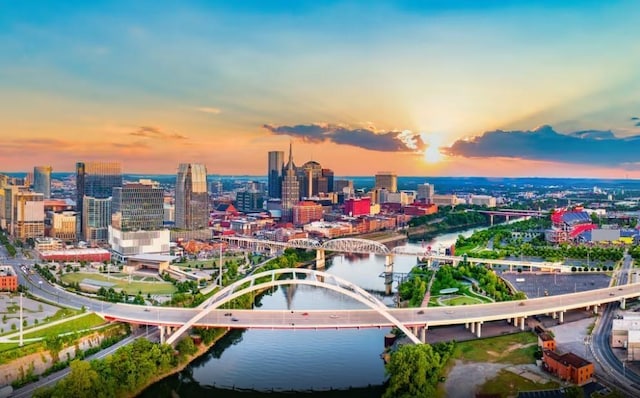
[21, 341]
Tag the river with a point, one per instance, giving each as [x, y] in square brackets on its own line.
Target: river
[299, 360]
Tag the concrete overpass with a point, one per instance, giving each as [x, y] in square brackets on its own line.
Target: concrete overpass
[175, 321]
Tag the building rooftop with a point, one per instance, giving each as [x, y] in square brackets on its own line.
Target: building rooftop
[153, 257]
[568, 359]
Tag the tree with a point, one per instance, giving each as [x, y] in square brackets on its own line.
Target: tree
[81, 382]
[413, 371]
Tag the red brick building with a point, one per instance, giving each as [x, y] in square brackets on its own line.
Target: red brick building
[306, 212]
[420, 209]
[8, 279]
[355, 207]
[568, 366]
[91, 255]
[546, 341]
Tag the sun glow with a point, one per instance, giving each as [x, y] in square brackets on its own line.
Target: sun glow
[432, 153]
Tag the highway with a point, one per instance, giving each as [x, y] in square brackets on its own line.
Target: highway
[359, 318]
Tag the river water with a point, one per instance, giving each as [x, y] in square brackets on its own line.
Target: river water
[299, 360]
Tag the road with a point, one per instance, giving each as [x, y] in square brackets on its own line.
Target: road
[53, 378]
[615, 371]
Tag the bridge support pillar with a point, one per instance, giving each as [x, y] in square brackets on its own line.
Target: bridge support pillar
[623, 303]
[561, 320]
[473, 327]
[466, 325]
[429, 262]
[491, 219]
[320, 259]
[423, 334]
[455, 263]
[554, 315]
[479, 329]
[508, 218]
[595, 309]
[388, 263]
[522, 322]
[161, 328]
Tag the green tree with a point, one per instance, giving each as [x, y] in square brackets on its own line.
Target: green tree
[81, 382]
[413, 371]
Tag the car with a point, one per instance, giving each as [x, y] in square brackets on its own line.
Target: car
[420, 312]
[234, 319]
[612, 294]
[305, 313]
[227, 314]
[521, 303]
[333, 316]
[146, 310]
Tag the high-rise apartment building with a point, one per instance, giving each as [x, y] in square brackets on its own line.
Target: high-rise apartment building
[388, 180]
[95, 180]
[275, 173]
[42, 180]
[137, 206]
[192, 198]
[290, 189]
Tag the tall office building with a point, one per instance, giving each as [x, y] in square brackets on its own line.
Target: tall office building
[192, 198]
[95, 180]
[96, 214]
[28, 215]
[137, 206]
[387, 180]
[42, 180]
[290, 189]
[275, 171]
[325, 182]
[425, 192]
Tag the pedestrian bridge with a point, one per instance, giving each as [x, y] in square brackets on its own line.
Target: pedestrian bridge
[366, 246]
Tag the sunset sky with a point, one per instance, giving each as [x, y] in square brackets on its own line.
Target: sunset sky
[433, 88]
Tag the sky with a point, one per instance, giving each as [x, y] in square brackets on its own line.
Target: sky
[420, 88]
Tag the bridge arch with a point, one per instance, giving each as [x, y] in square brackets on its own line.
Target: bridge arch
[355, 245]
[340, 285]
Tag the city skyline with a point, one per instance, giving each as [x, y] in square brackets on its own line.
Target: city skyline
[444, 88]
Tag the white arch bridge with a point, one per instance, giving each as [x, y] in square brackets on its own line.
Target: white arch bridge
[300, 276]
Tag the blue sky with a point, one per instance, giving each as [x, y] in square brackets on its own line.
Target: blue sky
[154, 84]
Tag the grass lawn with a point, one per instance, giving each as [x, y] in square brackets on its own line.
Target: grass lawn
[8, 346]
[462, 300]
[508, 384]
[517, 348]
[130, 288]
[86, 322]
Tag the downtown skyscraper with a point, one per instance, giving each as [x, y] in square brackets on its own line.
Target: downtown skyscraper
[274, 173]
[192, 198]
[94, 188]
[42, 180]
[290, 189]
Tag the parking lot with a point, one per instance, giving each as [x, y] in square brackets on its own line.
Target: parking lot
[539, 284]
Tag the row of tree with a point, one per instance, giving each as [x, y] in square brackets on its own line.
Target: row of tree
[126, 371]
